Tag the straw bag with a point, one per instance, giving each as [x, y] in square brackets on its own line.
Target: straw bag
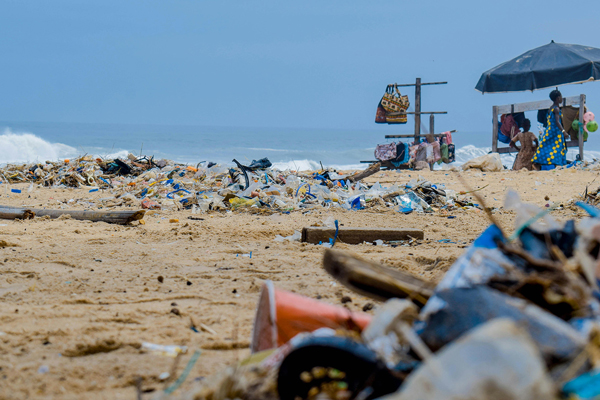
[394, 102]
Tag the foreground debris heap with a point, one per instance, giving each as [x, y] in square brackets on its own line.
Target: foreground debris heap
[516, 317]
[163, 184]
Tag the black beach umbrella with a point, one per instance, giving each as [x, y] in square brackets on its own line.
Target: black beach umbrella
[543, 67]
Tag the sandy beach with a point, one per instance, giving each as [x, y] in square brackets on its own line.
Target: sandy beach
[78, 298]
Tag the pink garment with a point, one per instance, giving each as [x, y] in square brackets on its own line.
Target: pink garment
[437, 154]
[448, 137]
[413, 152]
[509, 126]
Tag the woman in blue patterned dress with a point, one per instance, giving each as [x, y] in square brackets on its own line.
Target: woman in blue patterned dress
[552, 150]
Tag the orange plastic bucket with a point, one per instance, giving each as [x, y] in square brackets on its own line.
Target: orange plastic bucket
[281, 315]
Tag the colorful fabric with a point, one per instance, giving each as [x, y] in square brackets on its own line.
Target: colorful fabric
[447, 136]
[437, 155]
[402, 153]
[380, 115]
[396, 119]
[413, 152]
[394, 102]
[552, 149]
[384, 152]
[509, 125]
[443, 153]
[451, 153]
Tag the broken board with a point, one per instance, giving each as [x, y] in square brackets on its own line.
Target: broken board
[375, 280]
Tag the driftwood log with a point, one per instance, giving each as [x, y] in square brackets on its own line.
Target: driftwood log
[111, 217]
[375, 280]
[373, 168]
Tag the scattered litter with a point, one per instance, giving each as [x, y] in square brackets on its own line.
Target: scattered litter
[164, 376]
[295, 237]
[487, 163]
[208, 187]
[516, 316]
[184, 374]
[164, 350]
[43, 369]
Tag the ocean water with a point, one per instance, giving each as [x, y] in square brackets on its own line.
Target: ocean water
[285, 147]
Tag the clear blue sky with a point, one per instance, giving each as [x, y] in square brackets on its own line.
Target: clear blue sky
[313, 64]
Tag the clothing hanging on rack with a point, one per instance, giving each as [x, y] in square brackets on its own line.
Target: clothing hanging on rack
[384, 152]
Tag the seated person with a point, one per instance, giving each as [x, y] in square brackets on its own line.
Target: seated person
[529, 143]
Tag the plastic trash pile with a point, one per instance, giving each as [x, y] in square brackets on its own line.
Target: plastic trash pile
[151, 184]
[516, 317]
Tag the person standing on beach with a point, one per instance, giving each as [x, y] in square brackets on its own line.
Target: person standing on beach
[529, 144]
[552, 150]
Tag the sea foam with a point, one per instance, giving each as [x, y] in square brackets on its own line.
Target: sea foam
[27, 147]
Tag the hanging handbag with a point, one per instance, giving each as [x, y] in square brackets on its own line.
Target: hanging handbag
[402, 153]
[444, 153]
[380, 116]
[384, 152]
[451, 153]
[394, 102]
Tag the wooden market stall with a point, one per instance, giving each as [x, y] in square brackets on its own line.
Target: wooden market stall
[578, 101]
[417, 135]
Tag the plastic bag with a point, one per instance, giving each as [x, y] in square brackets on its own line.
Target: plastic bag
[487, 163]
[495, 359]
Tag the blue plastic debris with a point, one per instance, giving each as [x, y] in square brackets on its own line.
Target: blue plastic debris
[355, 205]
[594, 212]
[586, 386]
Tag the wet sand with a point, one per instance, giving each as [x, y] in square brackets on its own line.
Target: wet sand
[78, 298]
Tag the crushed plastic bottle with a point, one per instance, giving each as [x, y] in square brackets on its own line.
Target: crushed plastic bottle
[238, 202]
[412, 201]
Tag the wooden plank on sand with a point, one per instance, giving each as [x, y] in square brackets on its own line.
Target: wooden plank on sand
[375, 280]
[316, 234]
[111, 217]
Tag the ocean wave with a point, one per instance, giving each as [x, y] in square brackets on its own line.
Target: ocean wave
[269, 149]
[27, 147]
[23, 147]
[312, 165]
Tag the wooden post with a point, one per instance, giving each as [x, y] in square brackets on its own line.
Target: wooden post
[495, 129]
[431, 132]
[581, 112]
[417, 110]
[431, 124]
